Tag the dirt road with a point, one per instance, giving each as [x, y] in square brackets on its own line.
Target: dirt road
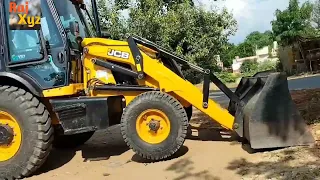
[112, 160]
[208, 154]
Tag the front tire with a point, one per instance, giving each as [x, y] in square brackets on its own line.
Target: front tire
[30, 122]
[154, 125]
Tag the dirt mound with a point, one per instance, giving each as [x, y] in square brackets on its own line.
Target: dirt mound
[308, 103]
[300, 163]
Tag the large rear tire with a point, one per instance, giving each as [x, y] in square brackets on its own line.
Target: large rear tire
[29, 121]
[71, 141]
[154, 125]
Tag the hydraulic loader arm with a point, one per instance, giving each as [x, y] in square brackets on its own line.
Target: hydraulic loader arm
[264, 112]
[172, 83]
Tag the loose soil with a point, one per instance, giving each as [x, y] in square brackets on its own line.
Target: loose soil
[209, 153]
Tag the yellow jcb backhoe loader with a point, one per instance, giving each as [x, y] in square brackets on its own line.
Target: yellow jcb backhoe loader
[61, 83]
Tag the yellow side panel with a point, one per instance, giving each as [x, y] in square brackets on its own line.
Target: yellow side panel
[100, 48]
[63, 91]
[93, 71]
[128, 95]
[101, 51]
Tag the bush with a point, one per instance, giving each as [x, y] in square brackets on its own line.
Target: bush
[248, 67]
[195, 77]
[227, 77]
[267, 65]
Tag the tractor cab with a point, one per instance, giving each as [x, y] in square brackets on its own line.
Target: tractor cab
[48, 56]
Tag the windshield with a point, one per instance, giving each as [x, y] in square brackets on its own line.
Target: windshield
[25, 45]
[69, 14]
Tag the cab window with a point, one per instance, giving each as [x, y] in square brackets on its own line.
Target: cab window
[25, 45]
[70, 14]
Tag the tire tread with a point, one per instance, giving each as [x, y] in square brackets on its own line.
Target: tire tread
[37, 114]
[162, 97]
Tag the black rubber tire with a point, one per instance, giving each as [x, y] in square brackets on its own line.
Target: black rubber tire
[178, 122]
[37, 132]
[71, 141]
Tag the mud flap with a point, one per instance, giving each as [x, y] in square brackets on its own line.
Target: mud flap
[266, 115]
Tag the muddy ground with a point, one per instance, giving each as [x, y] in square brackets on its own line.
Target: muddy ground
[209, 153]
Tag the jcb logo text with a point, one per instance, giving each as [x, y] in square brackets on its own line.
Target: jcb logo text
[118, 54]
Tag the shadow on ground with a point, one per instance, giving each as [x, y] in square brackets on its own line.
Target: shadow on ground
[184, 169]
[101, 146]
[294, 163]
[181, 152]
[105, 144]
[202, 128]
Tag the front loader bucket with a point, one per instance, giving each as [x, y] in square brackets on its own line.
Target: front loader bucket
[266, 115]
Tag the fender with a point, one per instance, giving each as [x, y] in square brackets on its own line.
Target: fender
[25, 80]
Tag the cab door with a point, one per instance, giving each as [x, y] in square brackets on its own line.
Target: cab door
[39, 54]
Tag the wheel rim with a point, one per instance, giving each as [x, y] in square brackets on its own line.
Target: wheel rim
[9, 150]
[153, 126]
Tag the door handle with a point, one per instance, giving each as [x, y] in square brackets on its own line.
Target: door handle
[61, 57]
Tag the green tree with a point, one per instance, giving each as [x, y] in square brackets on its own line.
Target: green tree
[122, 4]
[111, 19]
[292, 22]
[125, 4]
[248, 67]
[315, 18]
[178, 25]
[244, 49]
[228, 54]
[247, 48]
[260, 40]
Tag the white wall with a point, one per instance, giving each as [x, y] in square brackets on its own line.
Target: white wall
[262, 55]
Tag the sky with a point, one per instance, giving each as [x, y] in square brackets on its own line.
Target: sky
[251, 15]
